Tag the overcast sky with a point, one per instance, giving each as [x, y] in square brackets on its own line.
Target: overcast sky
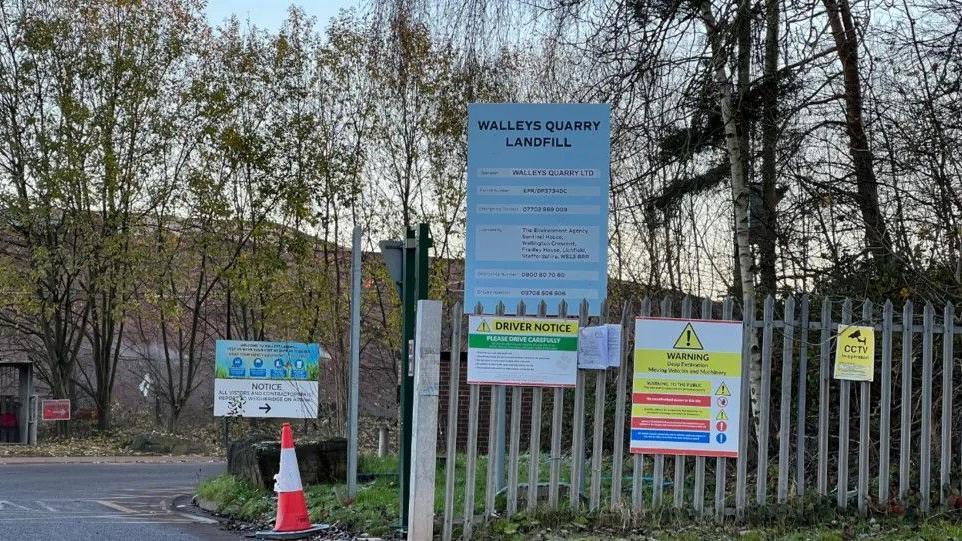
[270, 13]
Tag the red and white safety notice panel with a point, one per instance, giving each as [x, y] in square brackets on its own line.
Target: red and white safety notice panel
[55, 410]
[687, 387]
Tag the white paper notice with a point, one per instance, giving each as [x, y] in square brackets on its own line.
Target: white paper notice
[614, 345]
[593, 348]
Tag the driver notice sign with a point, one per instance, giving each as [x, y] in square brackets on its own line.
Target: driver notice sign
[523, 351]
[266, 379]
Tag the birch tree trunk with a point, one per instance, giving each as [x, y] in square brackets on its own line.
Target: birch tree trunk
[738, 160]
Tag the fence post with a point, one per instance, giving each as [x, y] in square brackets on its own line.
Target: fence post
[865, 398]
[557, 420]
[741, 465]
[470, 464]
[764, 401]
[825, 341]
[598, 431]
[534, 440]
[925, 445]
[618, 443]
[578, 426]
[451, 451]
[515, 438]
[638, 460]
[698, 498]
[802, 397]
[945, 464]
[678, 492]
[885, 422]
[785, 408]
[495, 456]
[424, 426]
[844, 391]
[721, 463]
[658, 475]
[905, 407]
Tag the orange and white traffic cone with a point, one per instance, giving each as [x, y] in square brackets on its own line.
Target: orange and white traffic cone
[292, 521]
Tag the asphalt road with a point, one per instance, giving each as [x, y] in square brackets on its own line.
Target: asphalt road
[52, 502]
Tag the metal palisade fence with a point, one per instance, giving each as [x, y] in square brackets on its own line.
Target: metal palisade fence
[873, 443]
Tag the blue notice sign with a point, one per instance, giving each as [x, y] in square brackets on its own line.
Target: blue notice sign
[538, 183]
[266, 379]
[670, 435]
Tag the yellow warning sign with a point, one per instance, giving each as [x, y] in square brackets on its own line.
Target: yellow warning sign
[855, 354]
[484, 327]
[686, 372]
[688, 339]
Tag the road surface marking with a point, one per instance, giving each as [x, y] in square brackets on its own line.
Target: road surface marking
[159, 490]
[47, 507]
[74, 517]
[198, 518]
[118, 507]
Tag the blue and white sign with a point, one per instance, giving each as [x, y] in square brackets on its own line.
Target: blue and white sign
[538, 182]
[244, 386]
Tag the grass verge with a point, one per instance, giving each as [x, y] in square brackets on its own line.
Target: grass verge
[374, 511]
[237, 498]
[548, 525]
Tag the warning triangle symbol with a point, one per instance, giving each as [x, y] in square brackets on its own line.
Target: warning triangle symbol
[688, 339]
[722, 416]
[722, 390]
[483, 327]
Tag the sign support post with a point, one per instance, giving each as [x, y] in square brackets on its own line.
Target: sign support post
[414, 287]
[425, 423]
[355, 363]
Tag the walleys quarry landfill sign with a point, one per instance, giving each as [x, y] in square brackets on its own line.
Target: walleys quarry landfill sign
[522, 351]
[537, 205]
[686, 392]
[266, 379]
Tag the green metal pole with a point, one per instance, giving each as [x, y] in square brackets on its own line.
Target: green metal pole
[416, 286]
[408, 304]
[423, 263]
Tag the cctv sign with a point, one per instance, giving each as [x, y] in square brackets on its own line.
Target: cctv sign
[855, 353]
